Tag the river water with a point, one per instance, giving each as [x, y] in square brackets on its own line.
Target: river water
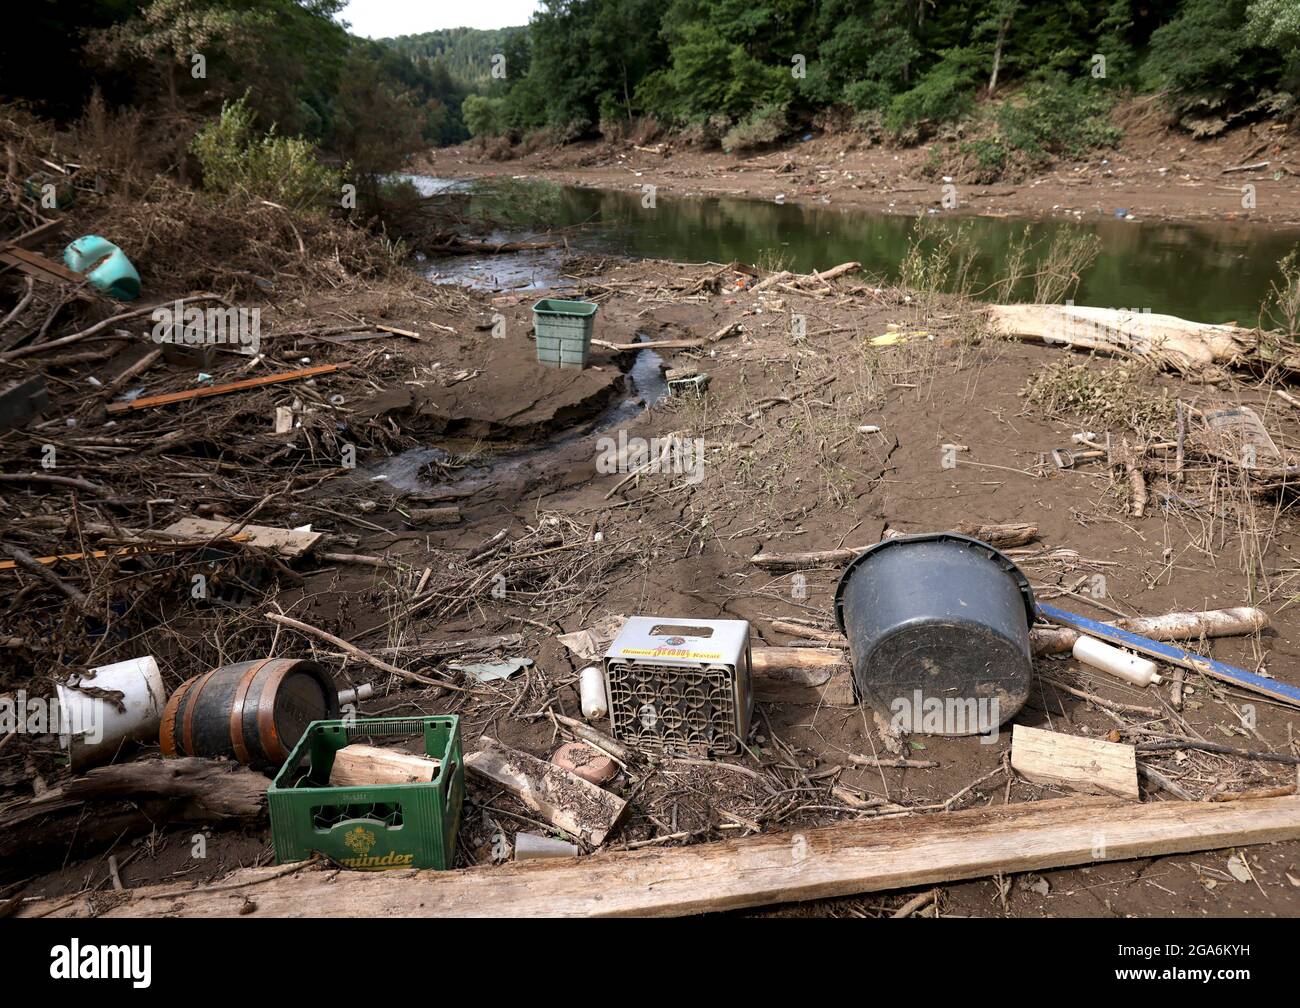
[1209, 272]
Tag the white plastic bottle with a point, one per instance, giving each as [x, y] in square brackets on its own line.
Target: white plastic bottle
[1116, 661]
[591, 691]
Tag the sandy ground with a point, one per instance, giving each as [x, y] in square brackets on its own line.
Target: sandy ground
[787, 469]
[1155, 174]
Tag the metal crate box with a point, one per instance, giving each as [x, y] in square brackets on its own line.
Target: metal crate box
[680, 684]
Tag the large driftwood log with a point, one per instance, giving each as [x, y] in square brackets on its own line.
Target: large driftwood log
[845, 859]
[1166, 340]
[113, 802]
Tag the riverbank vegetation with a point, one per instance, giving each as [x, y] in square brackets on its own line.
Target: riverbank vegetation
[1014, 82]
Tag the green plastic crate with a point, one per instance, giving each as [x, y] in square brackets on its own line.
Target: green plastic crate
[376, 826]
[563, 330]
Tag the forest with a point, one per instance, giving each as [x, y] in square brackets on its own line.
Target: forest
[749, 72]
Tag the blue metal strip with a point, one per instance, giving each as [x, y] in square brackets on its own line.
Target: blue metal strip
[1176, 655]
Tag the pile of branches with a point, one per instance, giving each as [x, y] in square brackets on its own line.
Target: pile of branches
[557, 565]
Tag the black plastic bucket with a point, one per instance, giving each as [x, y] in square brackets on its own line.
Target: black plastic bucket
[938, 626]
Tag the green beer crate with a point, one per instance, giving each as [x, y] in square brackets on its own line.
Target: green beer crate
[374, 826]
[563, 330]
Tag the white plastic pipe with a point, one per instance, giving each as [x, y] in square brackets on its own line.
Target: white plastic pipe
[1116, 661]
[530, 845]
[591, 692]
[350, 696]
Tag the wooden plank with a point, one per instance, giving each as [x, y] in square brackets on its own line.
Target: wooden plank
[288, 543]
[563, 799]
[202, 391]
[1080, 764]
[845, 859]
[36, 265]
[1175, 655]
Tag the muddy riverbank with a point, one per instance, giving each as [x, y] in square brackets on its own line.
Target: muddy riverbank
[832, 437]
[1154, 174]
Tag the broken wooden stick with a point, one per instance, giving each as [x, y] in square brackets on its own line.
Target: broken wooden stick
[113, 321]
[999, 536]
[42, 573]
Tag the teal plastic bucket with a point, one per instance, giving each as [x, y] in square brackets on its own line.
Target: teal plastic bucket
[563, 330]
[105, 266]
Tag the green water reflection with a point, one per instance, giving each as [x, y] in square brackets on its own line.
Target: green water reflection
[1213, 272]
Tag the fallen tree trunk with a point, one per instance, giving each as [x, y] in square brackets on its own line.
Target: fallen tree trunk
[1165, 340]
[845, 859]
[128, 799]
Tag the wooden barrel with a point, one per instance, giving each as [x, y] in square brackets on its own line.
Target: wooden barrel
[253, 711]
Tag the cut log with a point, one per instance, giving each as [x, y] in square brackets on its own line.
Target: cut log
[802, 675]
[359, 765]
[765, 659]
[435, 516]
[562, 799]
[1080, 764]
[845, 859]
[789, 686]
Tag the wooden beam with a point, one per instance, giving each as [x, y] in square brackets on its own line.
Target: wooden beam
[167, 398]
[1080, 764]
[36, 265]
[849, 858]
[288, 543]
